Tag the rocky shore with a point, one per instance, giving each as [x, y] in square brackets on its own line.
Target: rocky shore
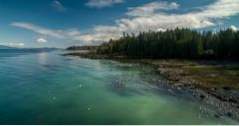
[212, 82]
[224, 97]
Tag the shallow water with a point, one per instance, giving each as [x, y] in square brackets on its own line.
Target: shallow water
[46, 88]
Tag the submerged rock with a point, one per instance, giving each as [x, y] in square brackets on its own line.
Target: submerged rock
[118, 84]
[226, 88]
[216, 116]
[229, 114]
[202, 97]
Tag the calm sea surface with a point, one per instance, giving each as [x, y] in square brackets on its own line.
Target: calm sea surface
[47, 88]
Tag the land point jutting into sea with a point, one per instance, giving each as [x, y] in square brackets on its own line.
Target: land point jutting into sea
[204, 64]
[119, 62]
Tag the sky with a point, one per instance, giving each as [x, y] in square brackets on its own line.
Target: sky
[63, 23]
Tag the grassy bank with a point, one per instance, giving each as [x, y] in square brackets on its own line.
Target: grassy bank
[204, 74]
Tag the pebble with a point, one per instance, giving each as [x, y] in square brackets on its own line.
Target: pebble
[229, 114]
[226, 88]
[54, 98]
[216, 116]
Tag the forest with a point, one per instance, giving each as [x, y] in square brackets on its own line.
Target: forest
[177, 43]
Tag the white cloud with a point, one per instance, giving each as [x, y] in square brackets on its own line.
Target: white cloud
[101, 34]
[220, 9]
[41, 40]
[151, 8]
[149, 17]
[144, 18]
[70, 34]
[234, 28]
[198, 19]
[38, 29]
[102, 3]
[73, 32]
[14, 44]
[58, 6]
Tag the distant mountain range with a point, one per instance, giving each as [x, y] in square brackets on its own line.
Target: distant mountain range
[5, 47]
[43, 48]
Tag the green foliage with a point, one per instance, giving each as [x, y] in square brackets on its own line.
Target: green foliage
[178, 43]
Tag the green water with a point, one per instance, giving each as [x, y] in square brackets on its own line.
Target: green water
[46, 88]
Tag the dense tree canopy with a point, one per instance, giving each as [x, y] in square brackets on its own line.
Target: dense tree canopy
[178, 43]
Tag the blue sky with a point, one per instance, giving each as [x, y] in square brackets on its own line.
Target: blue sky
[62, 23]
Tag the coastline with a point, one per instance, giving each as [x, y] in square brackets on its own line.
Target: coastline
[207, 81]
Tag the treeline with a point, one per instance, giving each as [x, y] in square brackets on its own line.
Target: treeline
[82, 48]
[178, 43]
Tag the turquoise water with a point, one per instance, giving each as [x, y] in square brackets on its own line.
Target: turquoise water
[46, 88]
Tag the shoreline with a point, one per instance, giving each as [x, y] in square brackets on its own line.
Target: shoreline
[197, 77]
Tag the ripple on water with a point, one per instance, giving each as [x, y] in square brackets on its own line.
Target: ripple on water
[51, 89]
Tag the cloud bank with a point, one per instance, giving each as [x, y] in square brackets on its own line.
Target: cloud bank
[70, 34]
[14, 44]
[151, 8]
[151, 16]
